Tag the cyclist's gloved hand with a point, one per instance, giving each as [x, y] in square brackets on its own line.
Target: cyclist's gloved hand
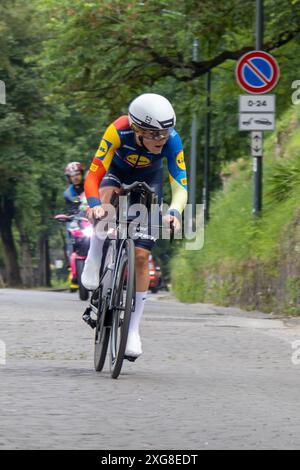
[168, 218]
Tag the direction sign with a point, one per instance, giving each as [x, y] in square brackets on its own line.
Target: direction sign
[257, 72]
[256, 144]
[256, 122]
[257, 104]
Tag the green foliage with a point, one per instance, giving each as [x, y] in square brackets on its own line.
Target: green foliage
[284, 181]
[72, 66]
[106, 52]
[36, 137]
[248, 262]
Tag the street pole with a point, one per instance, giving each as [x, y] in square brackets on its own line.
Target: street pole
[206, 149]
[257, 161]
[193, 160]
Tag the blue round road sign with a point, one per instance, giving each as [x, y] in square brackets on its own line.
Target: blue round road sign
[257, 72]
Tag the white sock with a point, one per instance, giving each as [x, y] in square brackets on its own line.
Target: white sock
[136, 315]
[95, 251]
[90, 273]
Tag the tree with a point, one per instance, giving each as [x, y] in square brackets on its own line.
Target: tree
[71, 67]
[105, 52]
[36, 140]
[111, 49]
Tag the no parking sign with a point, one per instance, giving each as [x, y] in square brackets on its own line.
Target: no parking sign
[257, 72]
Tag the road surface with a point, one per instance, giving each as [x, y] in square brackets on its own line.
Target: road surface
[209, 378]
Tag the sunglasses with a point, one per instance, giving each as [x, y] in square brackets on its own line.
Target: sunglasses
[156, 135]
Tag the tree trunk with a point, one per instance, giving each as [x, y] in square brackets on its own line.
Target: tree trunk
[1, 281]
[44, 265]
[27, 268]
[13, 276]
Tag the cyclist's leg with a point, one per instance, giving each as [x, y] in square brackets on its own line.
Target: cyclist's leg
[90, 275]
[142, 252]
[143, 247]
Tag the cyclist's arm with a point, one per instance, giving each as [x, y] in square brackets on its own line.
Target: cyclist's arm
[177, 178]
[100, 164]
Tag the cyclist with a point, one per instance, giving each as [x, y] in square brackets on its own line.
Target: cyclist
[73, 193]
[132, 149]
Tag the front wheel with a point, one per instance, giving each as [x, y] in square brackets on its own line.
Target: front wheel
[102, 333]
[83, 292]
[123, 295]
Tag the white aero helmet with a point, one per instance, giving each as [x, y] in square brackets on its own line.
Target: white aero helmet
[151, 111]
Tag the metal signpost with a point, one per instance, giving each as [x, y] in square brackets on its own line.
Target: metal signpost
[257, 72]
[193, 164]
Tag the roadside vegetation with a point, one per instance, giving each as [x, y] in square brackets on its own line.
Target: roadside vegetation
[247, 262]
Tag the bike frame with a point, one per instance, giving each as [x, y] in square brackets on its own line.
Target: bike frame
[111, 325]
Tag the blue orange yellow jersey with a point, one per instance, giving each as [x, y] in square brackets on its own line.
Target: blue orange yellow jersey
[118, 146]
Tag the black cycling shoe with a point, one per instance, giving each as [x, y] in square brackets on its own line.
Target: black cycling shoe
[87, 318]
[131, 358]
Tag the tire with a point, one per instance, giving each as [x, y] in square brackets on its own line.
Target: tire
[103, 326]
[101, 335]
[83, 292]
[154, 290]
[123, 295]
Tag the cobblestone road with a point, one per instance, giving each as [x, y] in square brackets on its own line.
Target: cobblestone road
[209, 378]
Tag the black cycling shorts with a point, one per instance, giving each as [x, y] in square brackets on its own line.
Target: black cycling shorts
[115, 177]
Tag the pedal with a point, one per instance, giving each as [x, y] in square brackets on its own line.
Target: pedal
[95, 298]
[86, 317]
[130, 358]
[94, 301]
